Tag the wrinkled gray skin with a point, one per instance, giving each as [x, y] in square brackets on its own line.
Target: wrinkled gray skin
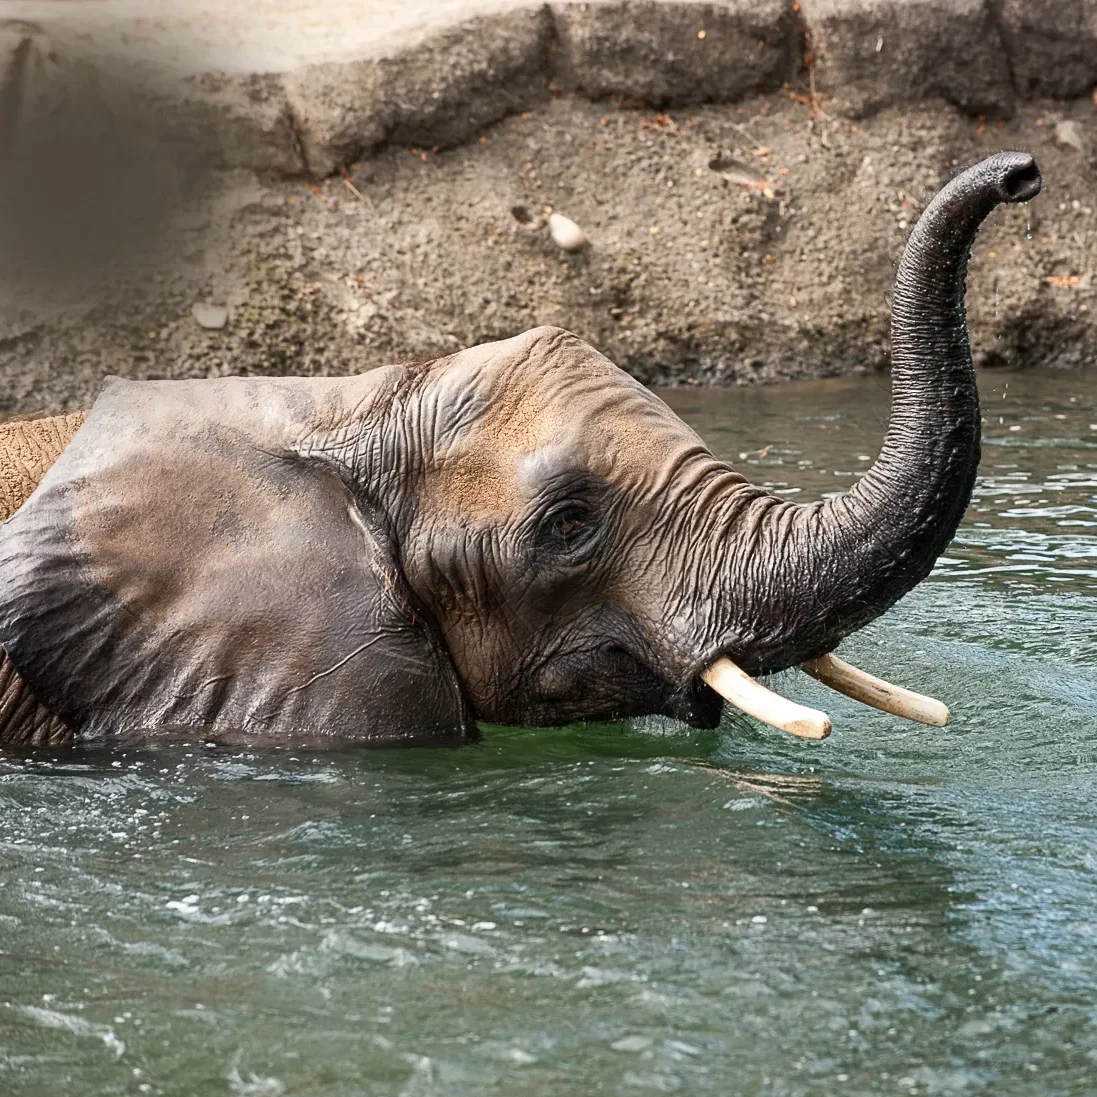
[519, 533]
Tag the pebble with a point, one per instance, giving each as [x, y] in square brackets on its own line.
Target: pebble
[526, 219]
[213, 317]
[566, 233]
[1068, 134]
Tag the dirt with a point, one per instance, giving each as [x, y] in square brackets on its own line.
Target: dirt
[775, 263]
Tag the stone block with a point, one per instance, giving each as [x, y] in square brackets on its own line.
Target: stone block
[1052, 46]
[669, 53]
[94, 160]
[439, 92]
[56, 95]
[237, 121]
[872, 54]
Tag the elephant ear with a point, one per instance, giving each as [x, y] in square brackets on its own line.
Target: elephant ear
[186, 566]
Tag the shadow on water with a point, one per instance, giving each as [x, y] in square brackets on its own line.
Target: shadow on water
[619, 908]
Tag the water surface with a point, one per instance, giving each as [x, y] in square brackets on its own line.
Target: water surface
[624, 910]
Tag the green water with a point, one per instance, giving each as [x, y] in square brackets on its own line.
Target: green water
[620, 910]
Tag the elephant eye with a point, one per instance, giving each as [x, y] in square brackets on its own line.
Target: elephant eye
[569, 527]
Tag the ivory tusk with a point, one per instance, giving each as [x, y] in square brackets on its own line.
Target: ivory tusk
[839, 675]
[763, 704]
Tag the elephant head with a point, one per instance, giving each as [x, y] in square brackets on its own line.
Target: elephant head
[586, 556]
[544, 536]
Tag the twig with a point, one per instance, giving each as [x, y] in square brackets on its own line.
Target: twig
[816, 98]
[349, 184]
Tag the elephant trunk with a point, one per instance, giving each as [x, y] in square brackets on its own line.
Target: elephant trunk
[818, 572]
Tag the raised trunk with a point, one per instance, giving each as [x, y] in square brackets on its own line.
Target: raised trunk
[826, 569]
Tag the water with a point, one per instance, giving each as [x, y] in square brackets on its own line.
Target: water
[620, 910]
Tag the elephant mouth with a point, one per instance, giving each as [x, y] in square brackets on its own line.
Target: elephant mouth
[610, 682]
[697, 705]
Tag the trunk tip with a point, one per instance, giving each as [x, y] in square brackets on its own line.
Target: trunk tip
[1019, 177]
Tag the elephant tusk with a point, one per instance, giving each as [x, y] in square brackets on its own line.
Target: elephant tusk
[742, 691]
[840, 676]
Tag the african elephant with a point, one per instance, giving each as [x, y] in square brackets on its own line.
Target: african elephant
[519, 533]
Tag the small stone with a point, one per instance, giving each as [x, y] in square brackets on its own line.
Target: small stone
[1068, 134]
[213, 317]
[526, 219]
[566, 233]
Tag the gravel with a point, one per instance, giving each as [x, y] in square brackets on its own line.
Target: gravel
[778, 267]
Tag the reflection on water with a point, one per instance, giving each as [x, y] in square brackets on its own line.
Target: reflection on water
[628, 909]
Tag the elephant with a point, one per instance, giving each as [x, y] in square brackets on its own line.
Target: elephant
[519, 533]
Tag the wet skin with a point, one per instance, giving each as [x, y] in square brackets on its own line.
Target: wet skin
[518, 533]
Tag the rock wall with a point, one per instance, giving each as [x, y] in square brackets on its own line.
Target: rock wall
[983, 56]
[747, 170]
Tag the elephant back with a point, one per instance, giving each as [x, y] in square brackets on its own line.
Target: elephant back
[29, 445]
